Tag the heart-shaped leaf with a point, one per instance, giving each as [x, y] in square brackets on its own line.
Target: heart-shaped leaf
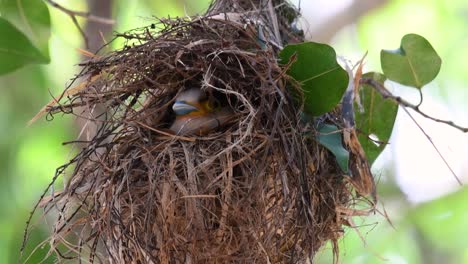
[321, 77]
[331, 138]
[377, 119]
[32, 18]
[15, 48]
[415, 63]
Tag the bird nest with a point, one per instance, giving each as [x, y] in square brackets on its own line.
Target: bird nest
[255, 188]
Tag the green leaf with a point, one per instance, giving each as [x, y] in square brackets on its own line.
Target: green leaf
[331, 138]
[415, 63]
[16, 50]
[321, 77]
[377, 119]
[32, 18]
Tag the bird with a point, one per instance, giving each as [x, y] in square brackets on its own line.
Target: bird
[198, 114]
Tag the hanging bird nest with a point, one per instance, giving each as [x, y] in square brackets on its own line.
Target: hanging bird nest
[255, 188]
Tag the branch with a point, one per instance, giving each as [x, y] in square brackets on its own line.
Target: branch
[388, 95]
[74, 14]
[402, 102]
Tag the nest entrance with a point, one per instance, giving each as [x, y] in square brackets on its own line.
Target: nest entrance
[258, 189]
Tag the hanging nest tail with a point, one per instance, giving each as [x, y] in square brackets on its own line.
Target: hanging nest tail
[256, 188]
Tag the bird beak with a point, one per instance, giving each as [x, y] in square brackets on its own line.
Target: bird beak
[183, 108]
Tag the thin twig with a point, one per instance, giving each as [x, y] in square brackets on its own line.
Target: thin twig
[274, 21]
[73, 14]
[435, 147]
[86, 15]
[388, 95]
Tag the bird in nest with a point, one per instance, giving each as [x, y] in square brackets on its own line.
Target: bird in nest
[198, 114]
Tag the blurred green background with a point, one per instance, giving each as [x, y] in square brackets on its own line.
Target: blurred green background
[427, 228]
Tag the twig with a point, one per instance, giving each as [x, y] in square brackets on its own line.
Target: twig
[274, 20]
[86, 15]
[388, 95]
[435, 147]
[73, 14]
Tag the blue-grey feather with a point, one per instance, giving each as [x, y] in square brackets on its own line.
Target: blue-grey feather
[183, 108]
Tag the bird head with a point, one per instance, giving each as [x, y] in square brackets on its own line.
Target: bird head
[196, 113]
[192, 102]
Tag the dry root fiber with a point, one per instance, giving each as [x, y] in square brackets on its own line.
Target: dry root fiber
[259, 189]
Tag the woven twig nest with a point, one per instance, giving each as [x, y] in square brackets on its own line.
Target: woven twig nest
[255, 189]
